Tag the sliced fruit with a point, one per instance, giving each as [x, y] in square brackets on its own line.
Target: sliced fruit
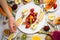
[32, 10]
[48, 7]
[51, 16]
[34, 26]
[19, 21]
[17, 1]
[27, 25]
[41, 15]
[46, 1]
[36, 37]
[25, 11]
[55, 6]
[11, 36]
[37, 2]
[23, 37]
[57, 20]
[31, 18]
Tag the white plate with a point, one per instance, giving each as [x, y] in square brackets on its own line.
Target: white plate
[52, 9]
[37, 9]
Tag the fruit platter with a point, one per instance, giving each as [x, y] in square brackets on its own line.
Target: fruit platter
[36, 20]
[31, 20]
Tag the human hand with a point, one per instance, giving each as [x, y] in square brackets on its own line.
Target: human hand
[12, 24]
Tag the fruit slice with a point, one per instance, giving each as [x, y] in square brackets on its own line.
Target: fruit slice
[36, 37]
[55, 6]
[48, 7]
[11, 36]
[51, 16]
[57, 20]
[27, 25]
[46, 1]
[32, 10]
[17, 1]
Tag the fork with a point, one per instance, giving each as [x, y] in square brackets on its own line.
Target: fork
[2, 17]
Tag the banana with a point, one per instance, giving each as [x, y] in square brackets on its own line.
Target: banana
[17, 1]
[11, 36]
[28, 0]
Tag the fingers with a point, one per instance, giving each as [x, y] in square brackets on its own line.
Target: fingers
[13, 28]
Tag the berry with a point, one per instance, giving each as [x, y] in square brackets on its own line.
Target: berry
[27, 26]
[32, 10]
[55, 6]
[46, 28]
[14, 7]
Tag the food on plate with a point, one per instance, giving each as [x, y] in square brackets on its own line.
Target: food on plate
[6, 32]
[57, 20]
[46, 28]
[32, 17]
[3, 12]
[46, 1]
[23, 23]
[17, 1]
[51, 16]
[23, 37]
[55, 6]
[36, 37]
[48, 7]
[34, 26]
[49, 4]
[37, 2]
[48, 37]
[19, 20]
[25, 11]
[40, 17]
[14, 7]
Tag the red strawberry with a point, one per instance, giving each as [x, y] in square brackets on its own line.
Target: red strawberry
[32, 10]
[55, 6]
[27, 26]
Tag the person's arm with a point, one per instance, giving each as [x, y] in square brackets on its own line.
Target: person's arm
[12, 24]
[4, 5]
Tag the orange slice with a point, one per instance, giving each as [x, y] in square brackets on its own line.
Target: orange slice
[3, 12]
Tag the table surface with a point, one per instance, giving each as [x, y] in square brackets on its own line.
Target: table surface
[2, 27]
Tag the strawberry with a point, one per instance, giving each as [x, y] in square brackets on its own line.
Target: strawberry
[55, 6]
[32, 10]
[27, 26]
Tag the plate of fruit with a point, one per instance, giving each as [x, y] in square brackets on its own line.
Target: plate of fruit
[31, 18]
[50, 5]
